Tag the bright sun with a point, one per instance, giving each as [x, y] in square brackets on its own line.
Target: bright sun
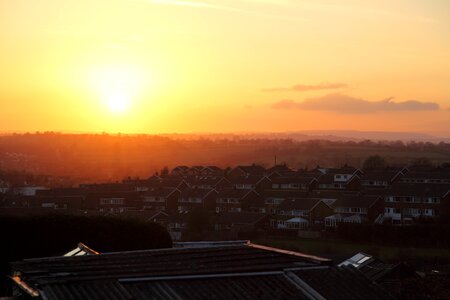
[117, 87]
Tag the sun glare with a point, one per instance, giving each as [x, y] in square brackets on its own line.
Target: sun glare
[117, 87]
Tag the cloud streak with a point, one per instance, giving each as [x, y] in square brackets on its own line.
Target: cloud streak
[305, 88]
[345, 104]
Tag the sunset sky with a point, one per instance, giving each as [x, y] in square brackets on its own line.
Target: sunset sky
[164, 66]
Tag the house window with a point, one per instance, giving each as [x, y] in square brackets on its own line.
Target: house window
[115, 201]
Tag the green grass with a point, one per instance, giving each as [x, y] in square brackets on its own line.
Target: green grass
[336, 248]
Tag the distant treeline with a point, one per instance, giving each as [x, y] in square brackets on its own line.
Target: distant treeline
[104, 157]
[55, 234]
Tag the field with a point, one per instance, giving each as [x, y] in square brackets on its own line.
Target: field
[340, 250]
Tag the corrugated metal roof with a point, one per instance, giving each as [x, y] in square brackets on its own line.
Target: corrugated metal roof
[163, 262]
[344, 283]
[236, 271]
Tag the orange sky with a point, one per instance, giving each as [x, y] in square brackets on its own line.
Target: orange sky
[143, 66]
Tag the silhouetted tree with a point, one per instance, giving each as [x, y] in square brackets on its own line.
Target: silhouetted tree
[165, 171]
[374, 162]
[421, 162]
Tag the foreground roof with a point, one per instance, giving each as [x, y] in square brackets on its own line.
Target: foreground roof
[216, 271]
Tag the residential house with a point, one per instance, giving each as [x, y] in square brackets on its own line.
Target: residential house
[438, 176]
[191, 199]
[250, 182]
[113, 201]
[290, 183]
[207, 182]
[194, 170]
[405, 202]
[239, 200]
[165, 199]
[356, 209]
[242, 171]
[179, 170]
[301, 213]
[379, 179]
[212, 171]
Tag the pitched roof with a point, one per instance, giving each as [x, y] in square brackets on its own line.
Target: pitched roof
[292, 180]
[342, 283]
[161, 192]
[418, 190]
[234, 271]
[427, 175]
[365, 201]
[162, 262]
[233, 193]
[196, 193]
[299, 204]
[199, 180]
[252, 169]
[326, 179]
[380, 175]
[251, 179]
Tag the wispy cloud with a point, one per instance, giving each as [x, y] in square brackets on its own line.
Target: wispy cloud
[306, 87]
[341, 103]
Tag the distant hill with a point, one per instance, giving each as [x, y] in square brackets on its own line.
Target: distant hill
[331, 135]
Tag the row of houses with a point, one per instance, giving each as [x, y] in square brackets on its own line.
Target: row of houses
[297, 199]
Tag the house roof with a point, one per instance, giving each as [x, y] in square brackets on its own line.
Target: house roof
[427, 175]
[233, 271]
[326, 179]
[161, 192]
[380, 175]
[107, 187]
[298, 204]
[327, 194]
[118, 194]
[199, 180]
[212, 168]
[418, 190]
[62, 192]
[196, 193]
[162, 262]
[180, 168]
[342, 283]
[292, 180]
[364, 201]
[252, 169]
[279, 168]
[294, 193]
[233, 193]
[251, 179]
[142, 215]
